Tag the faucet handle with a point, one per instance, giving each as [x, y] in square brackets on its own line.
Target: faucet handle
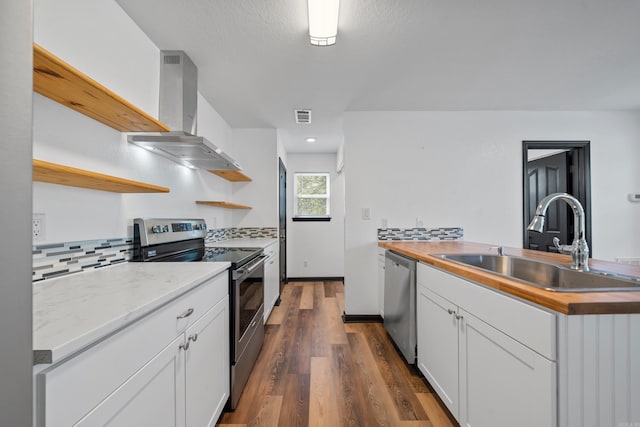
[563, 249]
[499, 248]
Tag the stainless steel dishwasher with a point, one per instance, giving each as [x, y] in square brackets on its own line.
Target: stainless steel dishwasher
[400, 303]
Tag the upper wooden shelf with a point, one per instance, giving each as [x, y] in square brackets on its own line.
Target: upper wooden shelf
[59, 81]
[234, 176]
[66, 175]
[226, 205]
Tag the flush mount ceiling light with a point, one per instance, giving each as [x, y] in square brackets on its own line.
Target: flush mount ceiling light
[310, 139]
[323, 21]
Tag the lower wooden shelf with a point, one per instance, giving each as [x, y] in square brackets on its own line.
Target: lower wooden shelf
[219, 204]
[66, 175]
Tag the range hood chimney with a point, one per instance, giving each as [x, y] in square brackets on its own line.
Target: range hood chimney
[178, 110]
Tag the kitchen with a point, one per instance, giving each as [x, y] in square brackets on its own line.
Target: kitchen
[450, 149]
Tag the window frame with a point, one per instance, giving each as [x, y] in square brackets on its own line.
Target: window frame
[296, 215]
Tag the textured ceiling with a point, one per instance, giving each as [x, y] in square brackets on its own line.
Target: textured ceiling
[256, 65]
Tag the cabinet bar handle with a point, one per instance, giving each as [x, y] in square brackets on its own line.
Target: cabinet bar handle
[184, 346]
[193, 338]
[450, 311]
[459, 316]
[185, 314]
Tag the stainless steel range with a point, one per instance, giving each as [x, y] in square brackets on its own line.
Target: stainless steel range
[182, 240]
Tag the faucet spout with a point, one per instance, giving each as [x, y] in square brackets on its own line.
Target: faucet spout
[579, 248]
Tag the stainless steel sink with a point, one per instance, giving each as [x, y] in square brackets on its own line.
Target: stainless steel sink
[553, 277]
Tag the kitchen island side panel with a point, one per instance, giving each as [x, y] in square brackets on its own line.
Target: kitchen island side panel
[599, 370]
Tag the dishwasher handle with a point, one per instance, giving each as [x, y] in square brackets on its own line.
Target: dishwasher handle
[400, 259]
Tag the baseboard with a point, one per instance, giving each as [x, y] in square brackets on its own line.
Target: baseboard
[315, 279]
[361, 318]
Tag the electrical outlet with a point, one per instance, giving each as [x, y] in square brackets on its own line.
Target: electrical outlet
[38, 227]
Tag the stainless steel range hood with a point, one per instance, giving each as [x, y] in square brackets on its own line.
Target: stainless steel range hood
[178, 110]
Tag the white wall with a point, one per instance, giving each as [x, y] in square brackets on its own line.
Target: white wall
[256, 151]
[99, 39]
[320, 243]
[464, 169]
[15, 212]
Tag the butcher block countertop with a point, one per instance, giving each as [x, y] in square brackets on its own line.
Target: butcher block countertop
[563, 302]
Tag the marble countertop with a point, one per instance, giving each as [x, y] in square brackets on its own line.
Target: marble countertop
[258, 242]
[74, 311]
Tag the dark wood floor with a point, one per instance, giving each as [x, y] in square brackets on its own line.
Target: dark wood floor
[315, 370]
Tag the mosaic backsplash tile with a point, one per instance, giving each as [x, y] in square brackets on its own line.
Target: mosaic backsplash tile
[220, 234]
[60, 259]
[441, 233]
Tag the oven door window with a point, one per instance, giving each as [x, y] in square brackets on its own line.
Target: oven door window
[250, 298]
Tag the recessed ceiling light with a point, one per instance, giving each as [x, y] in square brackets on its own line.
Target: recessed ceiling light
[310, 139]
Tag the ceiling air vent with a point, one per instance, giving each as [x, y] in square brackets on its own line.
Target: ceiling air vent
[172, 59]
[303, 116]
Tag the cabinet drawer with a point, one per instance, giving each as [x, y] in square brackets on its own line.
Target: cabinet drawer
[67, 391]
[526, 323]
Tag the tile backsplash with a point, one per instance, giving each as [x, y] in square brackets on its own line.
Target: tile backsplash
[60, 259]
[439, 233]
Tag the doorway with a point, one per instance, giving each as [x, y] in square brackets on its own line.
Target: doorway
[282, 223]
[555, 167]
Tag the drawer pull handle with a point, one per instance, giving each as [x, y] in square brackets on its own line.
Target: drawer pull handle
[184, 346]
[459, 316]
[255, 322]
[186, 314]
[450, 311]
[193, 338]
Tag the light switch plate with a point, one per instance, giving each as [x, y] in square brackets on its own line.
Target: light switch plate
[366, 214]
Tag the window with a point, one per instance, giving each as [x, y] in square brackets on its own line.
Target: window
[311, 197]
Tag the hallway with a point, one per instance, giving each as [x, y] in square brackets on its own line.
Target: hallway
[314, 370]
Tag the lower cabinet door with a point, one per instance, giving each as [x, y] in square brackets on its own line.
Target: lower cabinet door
[502, 382]
[153, 396]
[207, 366]
[437, 335]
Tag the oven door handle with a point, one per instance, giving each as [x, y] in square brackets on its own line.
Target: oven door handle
[246, 270]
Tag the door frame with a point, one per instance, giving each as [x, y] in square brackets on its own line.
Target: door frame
[579, 177]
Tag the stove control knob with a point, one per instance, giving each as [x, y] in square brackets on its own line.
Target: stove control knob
[165, 228]
[156, 229]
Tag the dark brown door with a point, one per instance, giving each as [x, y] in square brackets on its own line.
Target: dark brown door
[282, 223]
[546, 176]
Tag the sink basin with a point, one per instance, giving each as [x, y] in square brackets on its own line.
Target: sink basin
[553, 277]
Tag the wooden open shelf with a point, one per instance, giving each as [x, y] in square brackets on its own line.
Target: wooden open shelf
[66, 175]
[233, 176]
[226, 205]
[55, 79]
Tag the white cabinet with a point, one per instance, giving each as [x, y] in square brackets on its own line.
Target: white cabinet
[170, 368]
[152, 396]
[484, 375]
[271, 278]
[207, 366]
[437, 337]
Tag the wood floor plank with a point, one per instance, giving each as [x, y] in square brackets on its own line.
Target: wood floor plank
[323, 408]
[436, 413]
[336, 333]
[299, 351]
[394, 371]
[352, 403]
[329, 289]
[269, 413]
[295, 408]
[306, 302]
[379, 399]
[320, 320]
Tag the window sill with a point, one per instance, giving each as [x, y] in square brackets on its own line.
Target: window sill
[311, 218]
